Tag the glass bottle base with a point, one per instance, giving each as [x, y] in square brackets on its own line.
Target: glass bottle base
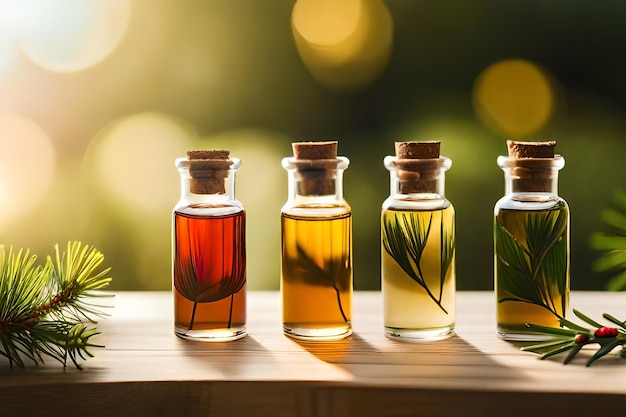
[419, 335]
[317, 334]
[520, 333]
[211, 335]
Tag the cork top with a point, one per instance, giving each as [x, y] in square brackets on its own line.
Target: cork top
[316, 166]
[315, 150]
[419, 166]
[418, 150]
[522, 150]
[206, 154]
[533, 165]
[208, 170]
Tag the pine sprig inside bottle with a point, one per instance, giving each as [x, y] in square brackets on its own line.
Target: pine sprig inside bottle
[45, 310]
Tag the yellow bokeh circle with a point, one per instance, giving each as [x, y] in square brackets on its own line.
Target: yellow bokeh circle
[132, 160]
[346, 44]
[514, 98]
[326, 22]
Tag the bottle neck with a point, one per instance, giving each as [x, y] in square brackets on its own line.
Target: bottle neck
[217, 189]
[420, 179]
[531, 176]
[315, 181]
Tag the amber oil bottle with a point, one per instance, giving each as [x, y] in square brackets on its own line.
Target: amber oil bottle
[316, 226]
[209, 250]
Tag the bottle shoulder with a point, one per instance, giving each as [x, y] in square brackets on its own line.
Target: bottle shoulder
[311, 209]
[530, 202]
[392, 203]
[209, 209]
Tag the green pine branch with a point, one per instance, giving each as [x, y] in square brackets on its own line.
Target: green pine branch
[612, 243]
[571, 338]
[43, 308]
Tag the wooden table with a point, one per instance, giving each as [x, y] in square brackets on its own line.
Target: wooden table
[147, 371]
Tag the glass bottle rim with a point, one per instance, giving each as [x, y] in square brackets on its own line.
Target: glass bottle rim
[291, 163]
[183, 163]
[392, 162]
[507, 162]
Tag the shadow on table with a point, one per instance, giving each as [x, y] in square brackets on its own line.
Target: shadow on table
[230, 358]
[449, 358]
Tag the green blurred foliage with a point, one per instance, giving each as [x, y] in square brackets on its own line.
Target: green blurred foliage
[223, 66]
[612, 243]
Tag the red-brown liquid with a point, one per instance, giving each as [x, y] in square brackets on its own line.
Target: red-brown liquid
[209, 275]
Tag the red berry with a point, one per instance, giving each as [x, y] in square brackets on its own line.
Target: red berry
[605, 332]
[581, 338]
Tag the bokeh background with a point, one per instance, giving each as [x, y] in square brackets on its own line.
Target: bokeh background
[98, 97]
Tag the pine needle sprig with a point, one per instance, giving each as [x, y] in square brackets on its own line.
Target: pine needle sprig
[405, 238]
[612, 243]
[335, 272]
[43, 308]
[533, 269]
[571, 338]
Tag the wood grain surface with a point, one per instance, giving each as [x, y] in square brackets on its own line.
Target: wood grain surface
[146, 370]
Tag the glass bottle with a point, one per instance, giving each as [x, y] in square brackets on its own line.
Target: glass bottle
[209, 250]
[316, 225]
[418, 245]
[531, 242]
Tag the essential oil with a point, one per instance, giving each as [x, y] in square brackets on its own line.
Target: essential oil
[317, 274]
[209, 274]
[419, 291]
[538, 291]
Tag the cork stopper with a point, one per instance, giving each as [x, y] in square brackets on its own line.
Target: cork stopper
[532, 168]
[208, 169]
[521, 150]
[316, 166]
[419, 165]
[315, 150]
[418, 150]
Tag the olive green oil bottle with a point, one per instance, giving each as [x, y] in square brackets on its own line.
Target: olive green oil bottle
[531, 242]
